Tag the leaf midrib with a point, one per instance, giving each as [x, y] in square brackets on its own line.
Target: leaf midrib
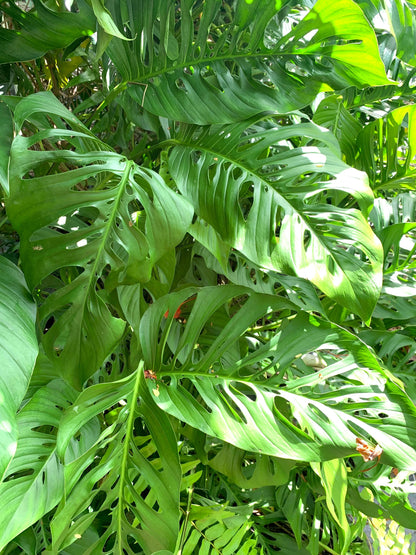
[269, 185]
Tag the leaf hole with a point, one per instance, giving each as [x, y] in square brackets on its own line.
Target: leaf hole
[110, 542]
[98, 500]
[180, 85]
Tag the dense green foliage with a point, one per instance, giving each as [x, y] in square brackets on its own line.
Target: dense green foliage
[208, 276]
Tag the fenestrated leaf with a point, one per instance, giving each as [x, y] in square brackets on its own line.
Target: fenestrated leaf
[102, 221]
[42, 30]
[34, 482]
[251, 470]
[272, 201]
[214, 528]
[259, 396]
[221, 71]
[139, 474]
[332, 114]
[334, 479]
[241, 272]
[18, 351]
[387, 148]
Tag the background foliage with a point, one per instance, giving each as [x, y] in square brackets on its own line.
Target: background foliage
[207, 276]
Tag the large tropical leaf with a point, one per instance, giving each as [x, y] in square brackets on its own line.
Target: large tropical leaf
[41, 30]
[387, 148]
[332, 114]
[34, 482]
[211, 528]
[394, 221]
[272, 197]
[86, 217]
[258, 395]
[232, 65]
[18, 350]
[394, 19]
[138, 474]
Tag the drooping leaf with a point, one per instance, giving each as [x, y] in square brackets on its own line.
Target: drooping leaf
[34, 482]
[104, 19]
[139, 474]
[41, 30]
[248, 67]
[272, 201]
[110, 222]
[262, 398]
[18, 351]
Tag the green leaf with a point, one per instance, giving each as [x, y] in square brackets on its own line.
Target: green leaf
[42, 30]
[397, 20]
[18, 353]
[387, 148]
[271, 200]
[109, 223]
[34, 482]
[104, 19]
[334, 479]
[139, 474]
[6, 132]
[332, 114]
[259, 396]
[241, 65]
[215, 528]
[260, 472]
[341, 32]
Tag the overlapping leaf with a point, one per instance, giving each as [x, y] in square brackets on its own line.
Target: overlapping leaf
[332, 114]
[137, 476]
[213, 527]
[272, 199]
[255, 395]
[41, 30]
[109, 223]
[18, 350]
[221, 71]
[34, 482]
[387, 147]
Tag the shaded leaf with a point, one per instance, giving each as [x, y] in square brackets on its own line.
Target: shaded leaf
[249, 68]
[18, 351]
[110, 222]
[269, 199]
[41, 30]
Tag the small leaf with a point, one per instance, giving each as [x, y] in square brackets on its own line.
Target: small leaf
[105, 20]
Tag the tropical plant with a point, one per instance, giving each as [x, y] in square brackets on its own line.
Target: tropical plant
[208, 276]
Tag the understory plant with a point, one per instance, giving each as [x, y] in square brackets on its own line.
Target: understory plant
[207, 277]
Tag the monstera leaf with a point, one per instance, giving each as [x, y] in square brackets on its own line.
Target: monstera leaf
[139, 474]
[332, 114]
[232, 66]
[210, 370]
[34, 482]
[387, 148]
[41, 30]
[271, 196]
[87, 218]
[18, 352]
